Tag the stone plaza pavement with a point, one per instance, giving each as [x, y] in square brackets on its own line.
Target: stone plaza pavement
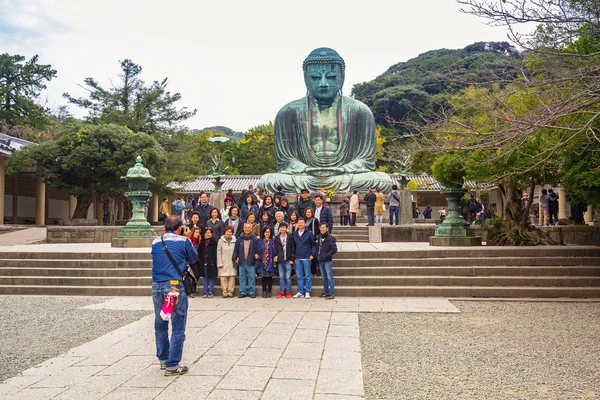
[235, 348]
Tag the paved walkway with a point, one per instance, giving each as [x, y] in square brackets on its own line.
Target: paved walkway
[23, 237]
[236, 349]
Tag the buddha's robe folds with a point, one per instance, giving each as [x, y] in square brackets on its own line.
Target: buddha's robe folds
[343, 164]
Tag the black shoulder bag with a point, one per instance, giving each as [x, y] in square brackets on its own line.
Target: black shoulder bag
[188, 279]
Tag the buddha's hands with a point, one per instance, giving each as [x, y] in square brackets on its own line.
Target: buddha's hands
[325, 171]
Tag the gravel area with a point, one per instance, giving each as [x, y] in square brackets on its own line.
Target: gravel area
[491, 350]
[36, 328]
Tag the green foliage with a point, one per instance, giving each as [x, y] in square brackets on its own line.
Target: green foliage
[132, 103]
[228, 132]
[89, 160]
[426, 82]
[256, 151]
[20, 84]
[448, 169]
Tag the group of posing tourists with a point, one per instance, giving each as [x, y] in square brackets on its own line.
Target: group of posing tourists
[262, 236]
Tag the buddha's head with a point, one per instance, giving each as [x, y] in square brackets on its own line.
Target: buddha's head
[324, 71]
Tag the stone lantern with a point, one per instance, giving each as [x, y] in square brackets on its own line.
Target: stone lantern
[137, 232]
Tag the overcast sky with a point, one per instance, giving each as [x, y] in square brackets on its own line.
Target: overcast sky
[235, 61]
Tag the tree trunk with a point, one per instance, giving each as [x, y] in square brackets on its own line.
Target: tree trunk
[83, 204]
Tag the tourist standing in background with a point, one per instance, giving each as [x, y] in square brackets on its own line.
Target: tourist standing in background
[208, 258]
[345, 212]
[279, 193]
[394, 202]
[203, 208]
[305, 202]
[370, 200]
[227, 271]
[285, 208]
[354, 206]
[312, 224]
[294, 217]
[442, 212]
[164, 209]
[268, 208]
[229, 202]
[190, 203]
[305, 252]
[326, 248]
[427, 212]
[544, 204]
[266, 268]
[283, 256]
[379, 206]
[322, 212]
[245, 255]
[248, 208]
[215, 223]
[165, 279]
[553, 207]
[235, 221]
[279, 219]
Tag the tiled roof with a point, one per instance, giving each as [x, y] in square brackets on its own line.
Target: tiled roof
[10, 144]
[240, 182]
[205, 183]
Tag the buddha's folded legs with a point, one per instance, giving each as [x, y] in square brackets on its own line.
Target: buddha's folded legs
[344, 183]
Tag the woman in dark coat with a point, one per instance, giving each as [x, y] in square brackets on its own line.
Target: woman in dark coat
[266, 268]
[215, 223]
[207, 255]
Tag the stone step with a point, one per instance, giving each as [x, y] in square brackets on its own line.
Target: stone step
[340, 291]
[81, 272]
[339, 271]
[342, 260]
[472, 252]
[358, 281]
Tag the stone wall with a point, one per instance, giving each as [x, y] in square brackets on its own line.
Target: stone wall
[575, 234]
[86, 234]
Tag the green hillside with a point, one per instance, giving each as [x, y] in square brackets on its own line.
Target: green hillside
[425, 82]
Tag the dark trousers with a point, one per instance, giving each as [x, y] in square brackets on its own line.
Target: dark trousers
[344, 220]
[267, 284]
[371, 215]
[353, 219]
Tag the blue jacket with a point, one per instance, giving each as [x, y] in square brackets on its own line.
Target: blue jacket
[327, 249]
[326, 217]
[181, 250]
[238, 251]
[245, 210]
[260, 264]
[305, 245]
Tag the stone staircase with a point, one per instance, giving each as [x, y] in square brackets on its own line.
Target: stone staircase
[356, 233]
[548, 272]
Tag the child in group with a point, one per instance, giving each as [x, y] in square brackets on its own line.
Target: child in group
[266, 268]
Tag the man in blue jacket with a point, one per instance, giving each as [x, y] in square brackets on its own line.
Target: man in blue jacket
[305, 252]
[322, 212]
[164, 278]
[245, 254]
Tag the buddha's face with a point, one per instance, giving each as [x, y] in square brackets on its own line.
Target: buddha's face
[324, 81]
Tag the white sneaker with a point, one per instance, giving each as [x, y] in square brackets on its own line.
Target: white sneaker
[307, 296]
[299, 295]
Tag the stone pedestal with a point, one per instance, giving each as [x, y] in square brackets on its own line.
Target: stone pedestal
[406, 215]
[455, 241]
[217, 199]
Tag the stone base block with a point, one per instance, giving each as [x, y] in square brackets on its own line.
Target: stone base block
[455, 241]
[132, 242]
